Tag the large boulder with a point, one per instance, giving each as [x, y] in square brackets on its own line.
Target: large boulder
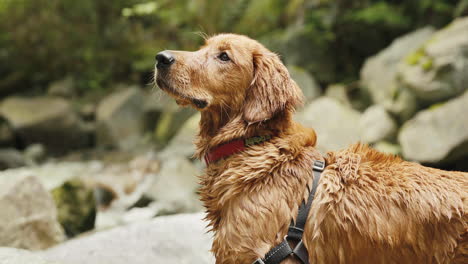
[171, 119]
[335, 124]
[437, 134]
[29, 217]
[305, 81]
[376, 125]
[119, 119]
[183, 142]
[379, 73]
[438, 69]
[20, 256]
[175, 186]
[180, 239]
[47, 120]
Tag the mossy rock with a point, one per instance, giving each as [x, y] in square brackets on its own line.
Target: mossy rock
[76, 206]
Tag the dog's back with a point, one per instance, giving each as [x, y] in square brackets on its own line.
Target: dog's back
[377, 208]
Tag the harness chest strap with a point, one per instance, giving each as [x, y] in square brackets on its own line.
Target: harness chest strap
[295, 232]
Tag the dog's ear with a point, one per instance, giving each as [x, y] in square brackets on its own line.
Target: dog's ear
[272, 89]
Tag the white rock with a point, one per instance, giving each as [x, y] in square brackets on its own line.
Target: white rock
[376, 124]
[434, 134]
[20, 256]
[438, 70]
[120, 119]
[28, 217]
[180, 239]
[336, 125]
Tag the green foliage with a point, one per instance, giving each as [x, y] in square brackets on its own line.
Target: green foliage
[100, 42]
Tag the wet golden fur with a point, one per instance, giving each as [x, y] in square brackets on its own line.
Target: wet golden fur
[369, 208]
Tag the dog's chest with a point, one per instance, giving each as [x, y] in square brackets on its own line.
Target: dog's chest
[248, 220]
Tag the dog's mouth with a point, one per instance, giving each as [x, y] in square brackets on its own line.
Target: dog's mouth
[180, 98]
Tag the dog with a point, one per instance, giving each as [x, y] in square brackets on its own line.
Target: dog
[369, 207]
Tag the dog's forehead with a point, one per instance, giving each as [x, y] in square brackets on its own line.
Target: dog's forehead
[229, 41]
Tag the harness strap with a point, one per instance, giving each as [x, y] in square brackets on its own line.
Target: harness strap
[296, 230]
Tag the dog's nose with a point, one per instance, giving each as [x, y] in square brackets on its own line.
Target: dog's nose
[165, 59]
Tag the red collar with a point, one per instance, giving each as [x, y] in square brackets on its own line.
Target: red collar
[232, 147]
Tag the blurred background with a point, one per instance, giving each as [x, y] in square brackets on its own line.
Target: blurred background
[88, 143]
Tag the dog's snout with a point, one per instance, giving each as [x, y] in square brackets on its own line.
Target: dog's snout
[165, 59]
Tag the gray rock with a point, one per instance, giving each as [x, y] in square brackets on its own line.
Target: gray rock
[437, 134]
[339, 93]
[7, 135]
[376, 125]
[438, 70]
[63, 88]
[306, 82]
[387, 147]
[175, 186]
[379, 73]
[53, 175]
[178, 239]
[11, 158]
[47, 120]
[171, 119]
[335, 124]
[120, 119]
[20, 256]
[182, 142]
[28, 217]
[35, 153]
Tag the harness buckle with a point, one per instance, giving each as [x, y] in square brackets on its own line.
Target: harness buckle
[318, 165]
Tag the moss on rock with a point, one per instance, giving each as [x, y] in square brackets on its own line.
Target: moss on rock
[76, 206]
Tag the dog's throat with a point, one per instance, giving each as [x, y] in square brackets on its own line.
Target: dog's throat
[227, 149]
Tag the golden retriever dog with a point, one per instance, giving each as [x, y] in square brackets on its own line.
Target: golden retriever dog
[369, 207]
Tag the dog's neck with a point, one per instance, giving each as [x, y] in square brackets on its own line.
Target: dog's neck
[218, 127]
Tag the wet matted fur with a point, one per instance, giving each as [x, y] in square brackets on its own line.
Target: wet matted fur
[369, 207]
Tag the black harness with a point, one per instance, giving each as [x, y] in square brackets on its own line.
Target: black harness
[284, 250]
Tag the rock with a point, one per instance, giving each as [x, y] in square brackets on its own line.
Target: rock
[438, 70]
[29, 218]
[335, 124]
[180, 239]
[379, 73]
[47, 120]
[76, 206]
[387, 147]
[120, 119]
[175, 186]
[11, 158]
[152, 109]
[306, 82]
[20, 256]
[437, 134]
[170, 121]
[182, 143]
[53, 175]
[63, 88]
[88, 112]
[7, 135]
[376, 125]
[339, 93]
[35, 153]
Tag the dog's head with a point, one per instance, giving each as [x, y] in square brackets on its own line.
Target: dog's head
[230, 72]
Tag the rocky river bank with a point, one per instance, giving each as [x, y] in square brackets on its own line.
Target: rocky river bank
[94, 181]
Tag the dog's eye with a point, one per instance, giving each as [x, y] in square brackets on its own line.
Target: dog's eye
[223, 56]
